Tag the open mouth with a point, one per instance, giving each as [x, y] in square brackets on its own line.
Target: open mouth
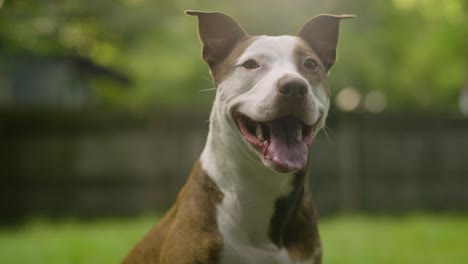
[283, 142]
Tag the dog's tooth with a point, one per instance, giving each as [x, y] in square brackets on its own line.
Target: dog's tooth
[265, 142]
[259, 132]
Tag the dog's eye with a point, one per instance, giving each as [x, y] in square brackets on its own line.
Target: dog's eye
[311, 64]
[250, 64]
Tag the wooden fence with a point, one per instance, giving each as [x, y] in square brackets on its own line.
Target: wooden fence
[108, 163]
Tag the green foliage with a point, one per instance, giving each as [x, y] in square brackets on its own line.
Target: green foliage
[414, 51]
[349, 239]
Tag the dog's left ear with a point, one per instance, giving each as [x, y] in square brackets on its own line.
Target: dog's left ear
[219, 33]
[321, 33]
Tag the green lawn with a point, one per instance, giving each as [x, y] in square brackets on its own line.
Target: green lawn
[347, 240]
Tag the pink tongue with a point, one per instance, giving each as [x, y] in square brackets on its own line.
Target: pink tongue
[286, 150]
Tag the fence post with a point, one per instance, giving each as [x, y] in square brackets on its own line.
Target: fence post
[349, 161]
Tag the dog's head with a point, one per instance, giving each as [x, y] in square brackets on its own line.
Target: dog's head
[272, 92]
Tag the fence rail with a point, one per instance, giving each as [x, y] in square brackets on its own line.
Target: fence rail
[98, 163]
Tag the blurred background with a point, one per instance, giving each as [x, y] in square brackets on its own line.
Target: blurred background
[104, 108]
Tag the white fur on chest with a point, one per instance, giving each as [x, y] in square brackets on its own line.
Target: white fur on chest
[250, 189]
[243, 219]
[243, 216]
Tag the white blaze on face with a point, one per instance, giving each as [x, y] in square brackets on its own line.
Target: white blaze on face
[252, 91]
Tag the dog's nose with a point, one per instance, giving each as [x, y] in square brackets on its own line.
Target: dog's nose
[292, 87]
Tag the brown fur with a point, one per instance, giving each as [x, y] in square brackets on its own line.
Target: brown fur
[221, 71]
[321, 33]
[188, 233]
[294, 222]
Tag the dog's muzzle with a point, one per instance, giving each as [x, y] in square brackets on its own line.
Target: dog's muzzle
[282, 143]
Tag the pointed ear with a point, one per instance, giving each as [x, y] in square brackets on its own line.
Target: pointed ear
[321, 33]
[218, 33]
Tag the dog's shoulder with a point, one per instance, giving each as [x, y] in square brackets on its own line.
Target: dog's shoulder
[189, 227]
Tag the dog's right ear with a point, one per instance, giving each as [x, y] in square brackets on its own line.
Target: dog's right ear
[218, 33]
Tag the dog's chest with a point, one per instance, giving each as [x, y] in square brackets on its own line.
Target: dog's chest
[236, 252]
[244, 219]
[244, 227]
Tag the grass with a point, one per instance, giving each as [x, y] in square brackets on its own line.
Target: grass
[71, 242]
[348, 240]
[407, 240]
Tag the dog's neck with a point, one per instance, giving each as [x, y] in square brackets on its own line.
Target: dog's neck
[250, 189]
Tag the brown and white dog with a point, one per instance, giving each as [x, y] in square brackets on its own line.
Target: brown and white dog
[247, 199]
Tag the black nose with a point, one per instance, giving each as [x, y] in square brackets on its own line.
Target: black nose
[292, 87]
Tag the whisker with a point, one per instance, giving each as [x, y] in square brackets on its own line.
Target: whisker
[326, 134]
[325, 128]
[206, 79]
[207, 90]
[331, 131]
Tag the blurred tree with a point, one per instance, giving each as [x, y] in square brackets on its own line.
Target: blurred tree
[414, 51]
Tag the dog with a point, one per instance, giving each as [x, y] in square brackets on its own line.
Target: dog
[247, 199]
